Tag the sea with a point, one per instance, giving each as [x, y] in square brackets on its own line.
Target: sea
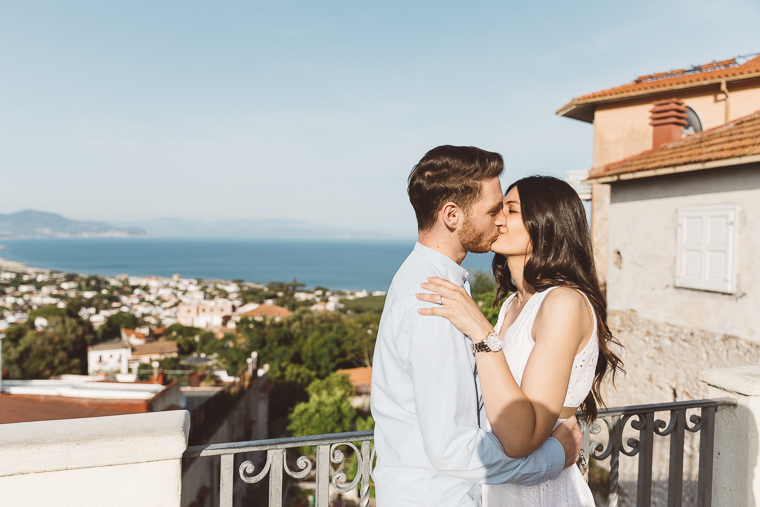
[335, 264]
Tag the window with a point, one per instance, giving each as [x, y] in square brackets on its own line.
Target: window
[706, 248]
[694, 124]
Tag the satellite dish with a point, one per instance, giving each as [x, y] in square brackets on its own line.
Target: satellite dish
[694, 124]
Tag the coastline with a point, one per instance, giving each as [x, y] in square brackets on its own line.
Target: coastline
[337, 265]
[9, 264]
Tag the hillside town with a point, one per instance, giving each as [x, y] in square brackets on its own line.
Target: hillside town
[238, 356]
[159, 302]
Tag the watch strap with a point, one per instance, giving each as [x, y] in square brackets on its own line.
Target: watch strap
[481, 346]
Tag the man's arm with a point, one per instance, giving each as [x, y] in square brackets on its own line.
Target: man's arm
[447, 410]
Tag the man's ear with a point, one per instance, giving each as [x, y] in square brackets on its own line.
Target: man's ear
[451, 215]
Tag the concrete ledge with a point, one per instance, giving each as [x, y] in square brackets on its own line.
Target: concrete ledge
[743, 380]
[49, 446]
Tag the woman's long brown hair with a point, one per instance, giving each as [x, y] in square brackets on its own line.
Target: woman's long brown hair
[563, 256]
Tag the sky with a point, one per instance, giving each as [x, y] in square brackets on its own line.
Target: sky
[316, 111]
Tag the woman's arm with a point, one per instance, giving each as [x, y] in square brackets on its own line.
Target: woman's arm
[522, 419]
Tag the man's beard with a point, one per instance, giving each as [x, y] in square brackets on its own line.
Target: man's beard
[472, 240]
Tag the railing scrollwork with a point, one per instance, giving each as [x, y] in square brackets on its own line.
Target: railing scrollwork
[338, 448]
[642, 419]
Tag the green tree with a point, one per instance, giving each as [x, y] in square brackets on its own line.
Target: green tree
[59, 348]
[328, 410]
[185, 337]
[322, 351]
[112, 327]
[483, 290]
[360, 347]
[482, 283]
[369, 304]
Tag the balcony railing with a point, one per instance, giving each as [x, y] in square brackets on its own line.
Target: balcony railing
[327, 451]
[641, 419]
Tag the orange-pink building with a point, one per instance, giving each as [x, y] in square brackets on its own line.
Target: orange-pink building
[676, 195]
[205, 314]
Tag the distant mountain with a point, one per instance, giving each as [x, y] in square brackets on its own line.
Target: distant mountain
[39, 224]
[247, 229]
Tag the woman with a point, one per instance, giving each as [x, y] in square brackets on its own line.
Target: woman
[552, 329]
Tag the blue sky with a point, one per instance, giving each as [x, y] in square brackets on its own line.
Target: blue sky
[316, 111]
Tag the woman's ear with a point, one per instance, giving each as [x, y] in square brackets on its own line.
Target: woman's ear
[451, 214]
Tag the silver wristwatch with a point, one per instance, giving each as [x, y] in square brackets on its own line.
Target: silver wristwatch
[492, 343]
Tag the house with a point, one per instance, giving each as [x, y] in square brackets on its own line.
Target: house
[133, 336]
[110, 356]
[675, 219]
[204, 314]
[120, 354]
[361, 379]
[157, 350]
[676, 195]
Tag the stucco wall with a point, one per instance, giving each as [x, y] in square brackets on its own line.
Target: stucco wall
[642, 228]
[125, 460]
[622, 129]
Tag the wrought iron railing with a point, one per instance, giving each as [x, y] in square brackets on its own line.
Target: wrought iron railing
[647, 426]
[641, 418]
[327, 451]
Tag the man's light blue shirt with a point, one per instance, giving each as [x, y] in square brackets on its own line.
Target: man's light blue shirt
[429, 415]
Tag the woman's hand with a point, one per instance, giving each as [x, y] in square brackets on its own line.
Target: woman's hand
[457, 306]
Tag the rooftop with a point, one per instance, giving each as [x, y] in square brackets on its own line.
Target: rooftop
[133, 333]
[157, 347]
[268, 311]
[118, 343]
[83, 388]
[74, 398]
[734, 69]
[734, 143]
[361, 378]
[27, 408]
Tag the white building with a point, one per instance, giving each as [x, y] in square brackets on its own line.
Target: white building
[111, 356]
[683, 231]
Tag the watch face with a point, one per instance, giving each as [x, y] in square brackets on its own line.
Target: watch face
[494, 342]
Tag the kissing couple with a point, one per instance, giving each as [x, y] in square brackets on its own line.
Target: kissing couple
[470, 414]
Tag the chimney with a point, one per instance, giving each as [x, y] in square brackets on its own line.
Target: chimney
[668, 117]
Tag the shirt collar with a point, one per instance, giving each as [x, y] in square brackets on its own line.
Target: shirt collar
[439, 258]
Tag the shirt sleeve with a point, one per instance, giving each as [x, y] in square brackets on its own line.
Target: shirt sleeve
[447, 409]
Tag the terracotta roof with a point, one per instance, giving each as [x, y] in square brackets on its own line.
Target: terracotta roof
[582, 108]
[129, 333]
[361, 378]
[268, 311]
[157, 347]
[15, 408]
[735, 143]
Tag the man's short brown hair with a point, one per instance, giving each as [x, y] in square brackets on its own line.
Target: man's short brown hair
[450, 174]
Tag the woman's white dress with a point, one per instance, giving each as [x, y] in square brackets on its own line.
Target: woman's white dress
[570, 488]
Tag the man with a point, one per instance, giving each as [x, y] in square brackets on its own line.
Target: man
[429, 416]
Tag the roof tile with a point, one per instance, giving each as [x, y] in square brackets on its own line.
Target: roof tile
[739, 138]
[268, 311]
[654, 83]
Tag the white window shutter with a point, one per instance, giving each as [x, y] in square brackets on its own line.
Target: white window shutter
[690, 234]
[705, 248]
[719, 275]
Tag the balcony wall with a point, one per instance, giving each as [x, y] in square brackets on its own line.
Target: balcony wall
[124, 460]
[736, 477]
[136, 459]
